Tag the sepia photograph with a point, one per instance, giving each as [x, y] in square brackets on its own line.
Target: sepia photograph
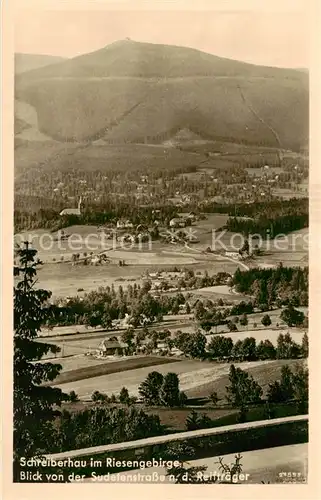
[161, 246]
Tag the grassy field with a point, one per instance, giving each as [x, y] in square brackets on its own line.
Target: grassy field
[62, 278]
[264, 373]
[262, 334]
[191, 373]
[111, 367]
[175, 419]
[67, 280]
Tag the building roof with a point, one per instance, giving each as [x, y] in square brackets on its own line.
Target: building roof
[178, 220]
[112, 344]
[70, 211]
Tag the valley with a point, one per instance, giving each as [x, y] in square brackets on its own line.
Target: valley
[165, 192]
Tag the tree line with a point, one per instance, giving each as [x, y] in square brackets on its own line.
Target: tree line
[223, 348]
[268, 227]
[101, 307]
[280, 286]
[245, 394]
[270, 208]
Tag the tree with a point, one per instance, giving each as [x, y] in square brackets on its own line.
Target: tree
[265, 350]
[94, 318]
[191, 344]
[232, 326]
[101, 425]
[286, 347]
[169, 392]
[301, 387]
[199, 311]
[283, 390]
[220, 347]
[249, 348]
[182, 398]
[237, 351]
[305, 345]
[243, 320]
[266, 320]
[192, 421]
[106, 321]
[100, 397]
[206, 326]
[292, 316]
[73, 397]
[286, 383]
[34, 403]
[149, 389]
[140, 337]
[232, 470]
[124, 397]
[245, 247]
[214, 398]
[243, 389]
[128, 336]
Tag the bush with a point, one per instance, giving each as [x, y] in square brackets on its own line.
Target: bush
[99, 397]
[73, 397]
[266, 320]
[124, 396]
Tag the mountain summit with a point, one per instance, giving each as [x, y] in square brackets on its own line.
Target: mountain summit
[148, 60]
[131, 91]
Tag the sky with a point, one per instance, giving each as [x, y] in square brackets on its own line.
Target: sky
[272, 39]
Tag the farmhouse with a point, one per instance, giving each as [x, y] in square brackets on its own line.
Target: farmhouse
[232, 255]
[72, 211]
[95, 260]
[177, 222]
[171, 274]
[240, 218]
[111, 347]
[124, 224]
[189, 216]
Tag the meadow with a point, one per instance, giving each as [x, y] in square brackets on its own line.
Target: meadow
[264, 372]
[107, 368]
[192, 374]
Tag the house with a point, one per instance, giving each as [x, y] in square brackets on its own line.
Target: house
[243, 218]
[95, 260]
[190, 215]
[177, 222]
[153, 275]
[72, 211]
[232, 255]
[111, 347]
[124, 224]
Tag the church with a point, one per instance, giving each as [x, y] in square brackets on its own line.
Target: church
[72, 211]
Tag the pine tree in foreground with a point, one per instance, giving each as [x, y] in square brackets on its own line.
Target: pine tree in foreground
[35, 402]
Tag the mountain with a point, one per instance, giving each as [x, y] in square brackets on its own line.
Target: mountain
[28, 62]
[140, 92]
